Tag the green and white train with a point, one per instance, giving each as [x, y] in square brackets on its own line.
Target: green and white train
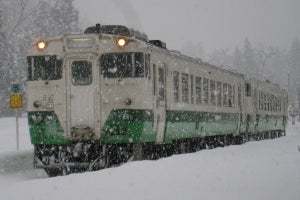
[110, 94]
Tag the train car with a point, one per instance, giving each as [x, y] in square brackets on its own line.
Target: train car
[110, 94]
[267, 109]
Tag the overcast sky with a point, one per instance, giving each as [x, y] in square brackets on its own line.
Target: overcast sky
[215, 23]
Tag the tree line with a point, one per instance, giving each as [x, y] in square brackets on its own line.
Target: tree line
[23, 22]
[265, 63]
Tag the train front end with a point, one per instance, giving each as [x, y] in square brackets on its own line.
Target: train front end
[86, 99]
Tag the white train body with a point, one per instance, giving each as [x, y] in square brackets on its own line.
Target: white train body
[88, 89]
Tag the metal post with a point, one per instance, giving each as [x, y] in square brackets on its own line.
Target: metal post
[288, 89]
[298, 104]
[17, 128]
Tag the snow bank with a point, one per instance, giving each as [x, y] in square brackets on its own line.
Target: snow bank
[8, 134]
[268, 169]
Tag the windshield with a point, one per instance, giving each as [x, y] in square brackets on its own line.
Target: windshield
[44, 68]
[122, 65]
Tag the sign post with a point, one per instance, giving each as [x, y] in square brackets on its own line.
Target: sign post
[299, 104]
[16, 102]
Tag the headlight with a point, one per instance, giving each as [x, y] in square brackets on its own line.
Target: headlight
[41, 45]
[121, 41]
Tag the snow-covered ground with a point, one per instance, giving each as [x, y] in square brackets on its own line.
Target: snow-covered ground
[267, 170]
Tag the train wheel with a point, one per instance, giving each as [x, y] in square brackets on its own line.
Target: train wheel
[245, 138]
[238, 140]
[137, 151]
[52, 172]
[279, 134]
[228, 140]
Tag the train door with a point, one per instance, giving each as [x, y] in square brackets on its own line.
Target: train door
[159, 94]
[81, 98]
[239, 107]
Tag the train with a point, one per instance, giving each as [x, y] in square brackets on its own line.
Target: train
[111, 95]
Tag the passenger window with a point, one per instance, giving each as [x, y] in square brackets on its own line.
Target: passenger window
[192, 89]
[275, 104]
[265, 102]
[248, 89]
[212, 92]
[198, 90]
[205, 91]
[230, 100]
[122, 65]
[233, 96]
[185, 88]
[225, 95]
[219, 94]
[271, 103]
[147, 66]
[261, 100]
[268, 102]
[239, 95]
[176, 86]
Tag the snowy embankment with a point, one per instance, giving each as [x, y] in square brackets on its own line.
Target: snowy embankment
[268, 169]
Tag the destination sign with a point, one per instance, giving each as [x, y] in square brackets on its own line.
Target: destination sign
[77, 43]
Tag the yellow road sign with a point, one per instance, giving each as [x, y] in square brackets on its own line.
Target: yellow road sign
[16, 101]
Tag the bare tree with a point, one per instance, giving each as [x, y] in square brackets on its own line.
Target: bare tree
[21, 23]
[263, 56]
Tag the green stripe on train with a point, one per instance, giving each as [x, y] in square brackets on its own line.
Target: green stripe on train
[134, 126]
[183, 124]
[267, 123]
[45, 128]
[128, 126]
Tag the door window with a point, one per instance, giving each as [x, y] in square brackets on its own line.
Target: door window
[161, 84]
[81, 72]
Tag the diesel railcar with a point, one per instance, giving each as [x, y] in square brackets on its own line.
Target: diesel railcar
[110, 94]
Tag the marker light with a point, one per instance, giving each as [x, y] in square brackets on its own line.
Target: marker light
[121, 42]
[41, 45]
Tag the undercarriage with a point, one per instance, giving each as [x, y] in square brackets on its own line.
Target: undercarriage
[65, 159]
[90, 156]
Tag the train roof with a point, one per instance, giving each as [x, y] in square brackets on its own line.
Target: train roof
[116, 30]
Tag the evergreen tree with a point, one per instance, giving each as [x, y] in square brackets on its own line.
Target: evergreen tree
[263, 57]
[276, 67]
[237, 60]
[294, 68]
[294, 56]
[250, 65]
